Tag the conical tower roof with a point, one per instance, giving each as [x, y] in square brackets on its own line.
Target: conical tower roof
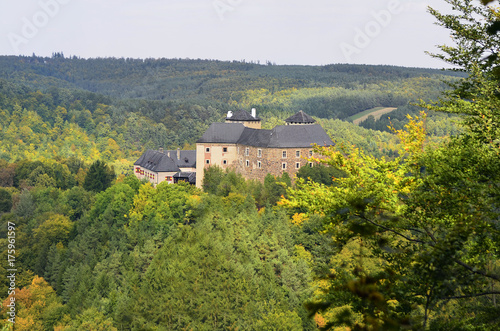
[300, 118]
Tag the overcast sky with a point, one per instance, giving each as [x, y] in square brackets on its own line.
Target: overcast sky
[313, 32]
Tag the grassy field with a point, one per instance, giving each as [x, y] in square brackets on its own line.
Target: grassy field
[375, 112]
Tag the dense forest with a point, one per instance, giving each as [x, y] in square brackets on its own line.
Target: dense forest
[396, 228]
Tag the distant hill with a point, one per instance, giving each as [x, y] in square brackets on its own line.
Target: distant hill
[176, 78]
[330, 91]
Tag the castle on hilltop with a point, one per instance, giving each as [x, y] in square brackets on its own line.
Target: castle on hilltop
[239, 144]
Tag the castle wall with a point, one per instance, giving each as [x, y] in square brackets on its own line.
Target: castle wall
[256, 162]
[210, 154]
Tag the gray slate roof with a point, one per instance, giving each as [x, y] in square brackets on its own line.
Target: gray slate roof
[300, 117]
[282, 136]
[187, 158]
[156, 161]
[242, 115]
[162, 162]
[222, 133]
[287, 136]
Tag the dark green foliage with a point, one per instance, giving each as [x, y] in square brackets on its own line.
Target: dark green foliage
[209, 277]
[99, 177]
[320, 174]
[275, 187]
[139, 257]
[26, 206]
[156, 79]
[212, 178]
[79, 201]
[223, 184]
[5, 201]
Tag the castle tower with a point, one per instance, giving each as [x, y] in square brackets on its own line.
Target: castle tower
[243, 117]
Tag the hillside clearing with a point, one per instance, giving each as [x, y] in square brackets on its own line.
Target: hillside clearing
[375, 112]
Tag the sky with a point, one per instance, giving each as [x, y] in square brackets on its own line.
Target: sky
[313, 32]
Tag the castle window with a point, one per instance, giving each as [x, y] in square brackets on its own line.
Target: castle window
[224, 162]
[224, 149]
[284, 153]
[247, 151]
[207, 161]
[297, 153]
[310, 164]
[297, 165]
[310, 153]
[248, 163]
[259, 152]
[283, 165]
[207, 149]
[259, 164]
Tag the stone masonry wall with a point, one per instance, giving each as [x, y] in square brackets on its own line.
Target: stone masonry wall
[253, 164]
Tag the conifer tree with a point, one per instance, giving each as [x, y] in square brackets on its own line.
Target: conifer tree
[99, 177]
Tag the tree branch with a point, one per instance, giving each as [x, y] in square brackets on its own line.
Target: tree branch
[479, 272]
[472, 295]
[433, 244]
[391, 230]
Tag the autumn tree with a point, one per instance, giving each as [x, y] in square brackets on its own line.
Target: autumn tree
[429, 215]
[37, 306]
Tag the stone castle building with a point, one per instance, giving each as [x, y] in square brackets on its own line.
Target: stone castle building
[242, 145]
[239, 144]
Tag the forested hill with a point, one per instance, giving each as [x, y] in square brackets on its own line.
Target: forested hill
[176, 78]
[335, 91]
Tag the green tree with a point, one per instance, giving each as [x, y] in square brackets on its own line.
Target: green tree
[90, 319]
[319, 174]
[472, 28]
[99, 177]
[5, 201]
[26, 206]
[212, 177]
[275, 187]
[430, 216]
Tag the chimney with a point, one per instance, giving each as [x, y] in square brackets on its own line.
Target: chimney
[178, 153]
[161, 149]
[229, 114]
[254, 112]
[168, 153]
